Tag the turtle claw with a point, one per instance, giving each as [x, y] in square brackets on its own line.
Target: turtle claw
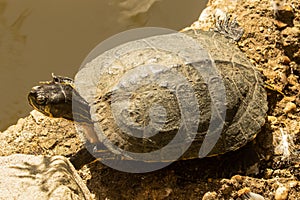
[62, 79]
[229, 29]
[59, 79]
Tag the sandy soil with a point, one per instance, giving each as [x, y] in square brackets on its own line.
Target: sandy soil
[268, 166]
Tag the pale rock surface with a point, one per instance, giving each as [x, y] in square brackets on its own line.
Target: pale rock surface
[40, 177]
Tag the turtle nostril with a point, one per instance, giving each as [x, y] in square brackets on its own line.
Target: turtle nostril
[35, 88]
[40, 99]
[34, 91]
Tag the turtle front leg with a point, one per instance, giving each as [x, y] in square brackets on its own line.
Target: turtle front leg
[90, 134]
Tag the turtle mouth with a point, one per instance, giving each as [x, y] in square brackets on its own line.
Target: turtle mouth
[36, 99]
[32, 101]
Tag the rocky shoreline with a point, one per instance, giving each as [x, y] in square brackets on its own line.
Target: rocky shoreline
[272, 42]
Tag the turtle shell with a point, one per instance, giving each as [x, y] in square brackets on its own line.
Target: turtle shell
[181, 95]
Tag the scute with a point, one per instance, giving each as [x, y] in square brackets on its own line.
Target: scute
[145, 91]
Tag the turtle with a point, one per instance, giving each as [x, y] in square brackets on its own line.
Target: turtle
[184, 89]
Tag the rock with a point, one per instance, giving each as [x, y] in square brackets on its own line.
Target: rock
[274, 50]
[290, 38]
[290, 106]
[40, 177]
[245, 193]
[37, 116]
[281, 193]
[209, 196]
[40, 135]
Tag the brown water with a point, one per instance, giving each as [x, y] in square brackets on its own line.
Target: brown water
[41, 37]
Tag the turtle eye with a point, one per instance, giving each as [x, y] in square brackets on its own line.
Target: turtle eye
[40, 99]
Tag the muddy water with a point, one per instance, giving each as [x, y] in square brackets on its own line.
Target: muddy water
[41, 37]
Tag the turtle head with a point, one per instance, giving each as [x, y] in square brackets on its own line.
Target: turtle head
[54, 99]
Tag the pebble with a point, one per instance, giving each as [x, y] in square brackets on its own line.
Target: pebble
[284, 60]
[209, 196]
[290, 106]
[254, 196]
[293, 184]
[280, 24]
[37, 116]
[281, 193]
[272, 119]
[245, 193]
